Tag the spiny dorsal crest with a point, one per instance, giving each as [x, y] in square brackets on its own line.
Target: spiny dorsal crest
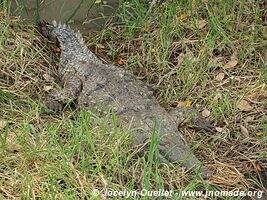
[75, 32]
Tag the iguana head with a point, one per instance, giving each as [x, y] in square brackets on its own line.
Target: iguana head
[47, 30]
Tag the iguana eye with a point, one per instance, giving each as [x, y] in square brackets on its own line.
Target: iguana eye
[57, 50]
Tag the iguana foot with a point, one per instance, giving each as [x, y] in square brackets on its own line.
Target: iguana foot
[189, 114]
[53, 105]
[206, 172]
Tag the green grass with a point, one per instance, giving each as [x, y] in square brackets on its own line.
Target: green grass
[71, 155]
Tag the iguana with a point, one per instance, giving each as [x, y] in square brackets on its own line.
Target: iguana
[97, 86]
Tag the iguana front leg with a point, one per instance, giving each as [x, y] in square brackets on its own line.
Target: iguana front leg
[72, 86]
[189, 114]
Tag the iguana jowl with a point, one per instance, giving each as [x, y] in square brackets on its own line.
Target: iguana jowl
[95, 85]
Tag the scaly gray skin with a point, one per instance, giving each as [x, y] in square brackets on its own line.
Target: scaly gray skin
[97, 86]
